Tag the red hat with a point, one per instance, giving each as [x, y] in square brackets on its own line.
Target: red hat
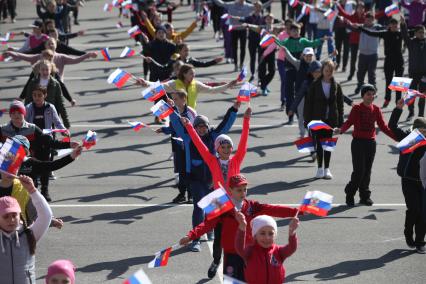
[237, 180]
[17, 106]
[8, 205]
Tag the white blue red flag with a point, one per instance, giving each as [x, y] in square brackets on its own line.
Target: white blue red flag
[410, 96]
[242, 75]
[134, 31]
[305, 145]
[49, 131]
[127, 52]
[162, 109]
[328, 144]
[400, 84]
[215, 203]
[154, 92]
[108, 7]
[119, 78]
[391, 10]
[410, 143]
[315, 125]
[7, 37]
[117, 3]
[317, 203]
[247, 91]
[2, 111]
[127, 4]
[330, 14]
[293, 3]
[162, 257]
[136, 125]
[225, 16]
[266, 40]
[105, 54]
[138, 278]
[229, 280]
[12, 154]
[90, 140]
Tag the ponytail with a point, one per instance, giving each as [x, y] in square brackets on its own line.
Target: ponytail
[32, 243]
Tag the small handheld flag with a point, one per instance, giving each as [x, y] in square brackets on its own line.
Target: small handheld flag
[138, 278]
[293, 3]
[136, 125]
[162, 109]
[409, 97]
[305, 145]
[90, 140]
[315, 125]
[127, 52]
[391, 10]
[119, 78]
[328, 144]
[127, 4]
[317, 203]
[134, 31]
[2, 111]
[400, 84]
[242, 75]
[225, 16]
[266, 40]
[215, 203]
[12, 155]
[154, 92]
[162, 257]
[330, 14]
[105, 54]
[410, 143]
[108, 7]
[247, 91]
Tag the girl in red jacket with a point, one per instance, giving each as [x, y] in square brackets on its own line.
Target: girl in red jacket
[264, 259]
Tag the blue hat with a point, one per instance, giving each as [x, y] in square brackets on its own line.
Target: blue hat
[314, 66]
[22, 140]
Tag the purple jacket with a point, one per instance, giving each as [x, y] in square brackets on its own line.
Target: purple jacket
[416, 9]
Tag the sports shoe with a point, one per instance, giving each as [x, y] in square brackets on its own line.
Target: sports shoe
[350, 201]
[210, 236]
[313, 156]
[195, 246]
[409, 239]
[410, 116]
[282, 107]
[357, 89]
[46, 195]
[385, 104]
[212, 270]
[366, 201]
[421, 249]
[179, 198]
[327, 174]
[320, 173]
[189, 199]
[52, 176]
[264, 93]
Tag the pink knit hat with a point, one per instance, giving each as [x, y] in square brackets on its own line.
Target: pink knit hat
[61, 266]
[9, 204]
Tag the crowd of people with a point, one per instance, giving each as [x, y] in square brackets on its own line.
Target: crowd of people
[203, 156]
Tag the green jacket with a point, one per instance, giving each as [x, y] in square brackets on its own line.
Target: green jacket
[297, 45]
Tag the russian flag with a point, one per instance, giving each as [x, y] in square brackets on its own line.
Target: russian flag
[116, 3]
[127, 52]
[105, 54]
[410, 97]
[391, 10]
[305, 145]
[2, 111]
[225, 16]
[317, 203]
[136, 125]
[154, 92]
[49, 131]
[267, 40]
[245, 93]
[119, 78]
[315, 125]
[215, 203]
[328, 144]
[161, 258]
[410, 143]
[330, 14]
[305, 9]
[400, 84]
[12, 154]
[162, 109]
[134, 31]
[127, 4]
[230, 28]
[108, 7]
[90, 140]
[242, 75]
[293, 3]
[138, 278]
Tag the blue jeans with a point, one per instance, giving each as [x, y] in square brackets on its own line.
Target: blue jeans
[198, 190]
[281, 71]
[330, 44]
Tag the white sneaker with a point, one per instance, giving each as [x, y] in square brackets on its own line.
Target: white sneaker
[170, 158]
[327, 174]
[320, 173]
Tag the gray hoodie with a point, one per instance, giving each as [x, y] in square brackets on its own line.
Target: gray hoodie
[369, 45]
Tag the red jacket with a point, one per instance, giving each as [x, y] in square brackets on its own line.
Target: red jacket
[364, 119]
[264, 265]
[250, 209]
[356, 19]
[213, 162]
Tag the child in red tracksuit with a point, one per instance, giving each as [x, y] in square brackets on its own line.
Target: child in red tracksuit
[233, 264]
[264, 259]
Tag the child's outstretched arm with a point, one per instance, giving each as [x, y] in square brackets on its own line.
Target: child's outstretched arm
[242, 146]
[240, 237]
[274, 210]
[228, 121]
[288, 250]
[200, 230]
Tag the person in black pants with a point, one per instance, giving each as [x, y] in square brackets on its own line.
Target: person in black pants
[341, 37]
[239, 35]
[408, 170]
[394, 62]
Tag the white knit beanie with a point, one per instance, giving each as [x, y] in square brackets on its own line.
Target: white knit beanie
[261, 221]
[221, 139]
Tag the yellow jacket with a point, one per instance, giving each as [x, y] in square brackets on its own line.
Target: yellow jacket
[175, 36]
[22, 195]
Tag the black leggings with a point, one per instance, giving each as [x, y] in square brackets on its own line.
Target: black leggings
[393, 67]
[342, 40]
[241, 36]
[217, 246]
[216, 13]
[255, 52]
[267, 63]
[321, 154]
[354, 56]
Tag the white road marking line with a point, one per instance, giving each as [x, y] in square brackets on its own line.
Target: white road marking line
[190, 205]
[394, 239]
[127, 125]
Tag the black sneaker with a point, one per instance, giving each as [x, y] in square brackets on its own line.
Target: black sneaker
[410, 116]
[189, 200]
[46, 195]
[179, 198]
[366, 201]
[350, 201]
[409, 240]
[357, 90]
[419, 249]
[212, 270]
[350, 77]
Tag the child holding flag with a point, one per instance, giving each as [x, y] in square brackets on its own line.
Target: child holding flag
[264, 259]
[233, 263]
[363, 117]
[410, 172]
